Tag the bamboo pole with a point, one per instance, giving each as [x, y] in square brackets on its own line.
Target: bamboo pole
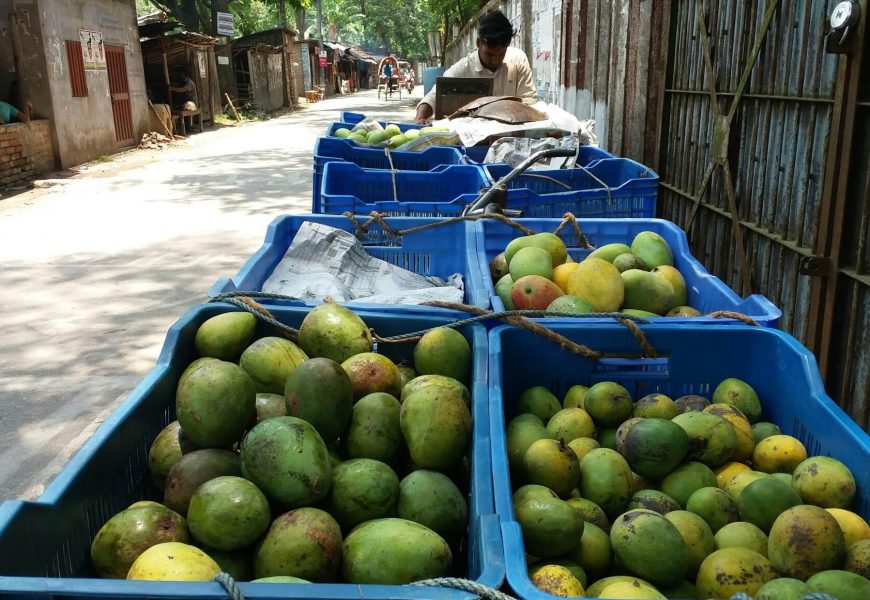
[238, 120]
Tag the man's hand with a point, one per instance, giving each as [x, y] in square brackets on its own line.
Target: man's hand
[424, 114]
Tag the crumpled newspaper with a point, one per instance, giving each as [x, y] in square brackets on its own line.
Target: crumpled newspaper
[324, 261]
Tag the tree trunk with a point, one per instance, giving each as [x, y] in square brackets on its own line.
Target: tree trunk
[282, 13]
[299, 13]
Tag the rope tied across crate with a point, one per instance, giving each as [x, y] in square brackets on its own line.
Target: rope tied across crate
[517, 318]
[478, 589]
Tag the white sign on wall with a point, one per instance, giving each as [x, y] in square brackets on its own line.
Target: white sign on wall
[223, 60]
[225, 24]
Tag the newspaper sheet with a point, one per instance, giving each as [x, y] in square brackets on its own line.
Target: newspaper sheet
[324, 261]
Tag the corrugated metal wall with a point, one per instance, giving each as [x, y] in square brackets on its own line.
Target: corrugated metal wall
[606, 52]
[785, 147]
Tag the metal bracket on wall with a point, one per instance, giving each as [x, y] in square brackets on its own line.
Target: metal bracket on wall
[815, 266]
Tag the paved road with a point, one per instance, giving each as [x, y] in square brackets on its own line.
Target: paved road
[93, 271]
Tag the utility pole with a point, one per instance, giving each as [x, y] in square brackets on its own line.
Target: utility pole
[320, 35]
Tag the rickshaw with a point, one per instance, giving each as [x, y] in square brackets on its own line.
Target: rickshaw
[389, 85]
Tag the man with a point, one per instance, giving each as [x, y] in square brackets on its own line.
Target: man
[8, 113]
[189, 100]
[494, 57]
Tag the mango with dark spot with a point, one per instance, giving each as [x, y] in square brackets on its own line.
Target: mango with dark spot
[394, 552]
[125, 536]
[691, 402]
[740, 394]
[712, 439]
[370, 372]
[335, 332]
[606, 480]
[649, 546]
[653, 500]
[733, 570]
[589, 512]
[858, 558]
[287, 459]
[805, 540]
[556, 580]
[320, 392]
[825, 482]
[304, 543]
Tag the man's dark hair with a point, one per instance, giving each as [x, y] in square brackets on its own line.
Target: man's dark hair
[495, 29]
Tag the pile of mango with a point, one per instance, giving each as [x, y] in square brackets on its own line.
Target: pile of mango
[679, 498]
[391, 135]
[316, 462]
[535, 272]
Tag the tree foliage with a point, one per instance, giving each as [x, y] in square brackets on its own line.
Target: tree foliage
[399, 26]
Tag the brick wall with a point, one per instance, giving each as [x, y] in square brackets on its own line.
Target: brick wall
[25, 151]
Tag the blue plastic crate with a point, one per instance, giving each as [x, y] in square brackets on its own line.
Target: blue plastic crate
[706, 292]
[588, 154]
[605, 172]
[44, 545]
[330, 149]
[699, 357]
[351, 117]
[441, 251]
[349, 188]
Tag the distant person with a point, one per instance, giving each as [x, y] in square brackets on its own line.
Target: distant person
[494, 57]
[189, 100]
[387, 70]
[9, 113]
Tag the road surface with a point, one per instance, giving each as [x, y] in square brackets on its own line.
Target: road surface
[95, 269]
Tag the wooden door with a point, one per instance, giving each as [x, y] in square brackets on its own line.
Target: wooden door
[116, 64]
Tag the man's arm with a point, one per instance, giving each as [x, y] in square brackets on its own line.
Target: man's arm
[525, 84]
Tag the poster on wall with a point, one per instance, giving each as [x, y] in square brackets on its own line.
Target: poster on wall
[99, 50]
[200, 59]
[87, 48]
[93, 50]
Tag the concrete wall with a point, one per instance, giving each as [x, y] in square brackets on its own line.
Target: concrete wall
[83, 126]
[25, 151]
[7, 65]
